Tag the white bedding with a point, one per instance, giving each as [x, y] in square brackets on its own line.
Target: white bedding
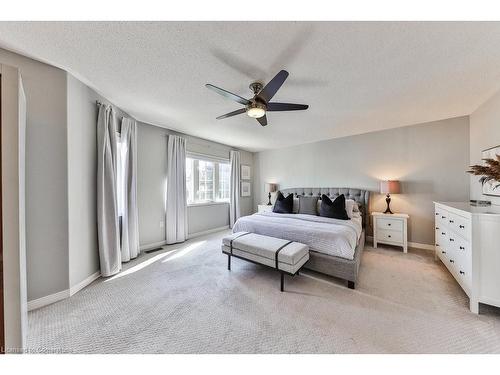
[324, 235]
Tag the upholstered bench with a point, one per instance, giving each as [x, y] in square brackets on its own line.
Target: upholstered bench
[285, 256]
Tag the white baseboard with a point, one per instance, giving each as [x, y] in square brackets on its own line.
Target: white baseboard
[82, 284]
[63, 294]
[198, 234]
[423, 246]
[47, 300]
[416, 245]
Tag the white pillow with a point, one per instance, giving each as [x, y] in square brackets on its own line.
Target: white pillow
[349, 207]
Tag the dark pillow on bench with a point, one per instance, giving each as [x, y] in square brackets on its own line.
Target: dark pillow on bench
[283, 205]
[335, 209]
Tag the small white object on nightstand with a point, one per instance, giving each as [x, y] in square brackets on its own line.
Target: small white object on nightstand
[264, 208]
[390, 229]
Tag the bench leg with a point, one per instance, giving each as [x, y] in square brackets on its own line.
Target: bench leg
[351, 284]
[282, 281]
[228, 262]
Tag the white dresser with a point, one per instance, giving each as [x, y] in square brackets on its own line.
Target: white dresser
[390, 229]
[467, 241]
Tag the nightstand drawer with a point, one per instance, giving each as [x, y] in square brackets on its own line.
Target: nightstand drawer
[389, 235]
[390, 224]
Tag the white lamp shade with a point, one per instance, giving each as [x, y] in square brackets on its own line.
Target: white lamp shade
[270, 187]
[390, 187]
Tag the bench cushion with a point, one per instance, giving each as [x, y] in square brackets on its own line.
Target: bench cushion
[262, 249]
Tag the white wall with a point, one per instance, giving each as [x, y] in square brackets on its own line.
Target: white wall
[46, 175]
[484, 133]
[152, 166]
[430, 159]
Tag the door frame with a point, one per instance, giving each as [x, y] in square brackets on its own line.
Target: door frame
[2, 328]
[13, 126]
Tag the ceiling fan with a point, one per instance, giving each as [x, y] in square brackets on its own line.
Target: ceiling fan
[257, 106]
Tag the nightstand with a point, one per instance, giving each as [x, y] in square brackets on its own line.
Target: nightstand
[264, 208]
[390, 229]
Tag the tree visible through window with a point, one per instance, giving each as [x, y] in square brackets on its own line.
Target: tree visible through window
[207, 180]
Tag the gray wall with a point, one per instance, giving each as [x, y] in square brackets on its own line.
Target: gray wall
[484, 133]
[46, 175]
[430, 159]
[152, 166]
[82, 178]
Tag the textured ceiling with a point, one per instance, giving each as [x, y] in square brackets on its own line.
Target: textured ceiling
[357, 77]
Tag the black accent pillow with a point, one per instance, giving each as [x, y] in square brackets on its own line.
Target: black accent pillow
[335, 209]
[283, 205]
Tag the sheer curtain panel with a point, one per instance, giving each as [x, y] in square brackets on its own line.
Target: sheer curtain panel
[176, 214]
[130, 217]
[107, 206]
[234, 206]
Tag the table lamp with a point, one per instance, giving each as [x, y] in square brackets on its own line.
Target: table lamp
[271, 188]
[389, 187]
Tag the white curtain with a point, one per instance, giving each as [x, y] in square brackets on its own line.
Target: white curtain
[234, 206]
[176, 215]
[130, 217]
[107, 207]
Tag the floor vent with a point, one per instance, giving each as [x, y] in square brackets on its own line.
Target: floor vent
[153, 250]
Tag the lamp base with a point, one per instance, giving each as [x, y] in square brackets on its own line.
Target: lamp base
[269, 203]
[388, 201]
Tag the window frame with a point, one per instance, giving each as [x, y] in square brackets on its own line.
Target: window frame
[216, 161]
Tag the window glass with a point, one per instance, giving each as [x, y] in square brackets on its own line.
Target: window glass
[207, 181]
[224, 179]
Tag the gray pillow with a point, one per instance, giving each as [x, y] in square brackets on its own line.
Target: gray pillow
[308, 205]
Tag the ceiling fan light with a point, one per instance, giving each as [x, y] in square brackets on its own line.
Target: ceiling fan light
[256, 112]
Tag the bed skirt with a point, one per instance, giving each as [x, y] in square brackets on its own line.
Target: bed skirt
[338, 267]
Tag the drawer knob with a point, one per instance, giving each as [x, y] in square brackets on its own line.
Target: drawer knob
[451, 221]
[437, 227]
[462, 248]
[443, 217]
[462, 272]
[443, 252]
[461, 226]
[452, 261]
[389, 224]
[437, 213]
[443, 233]
[389, 236]
[451, 239]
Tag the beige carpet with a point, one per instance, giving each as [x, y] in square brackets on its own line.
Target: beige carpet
[183, 300]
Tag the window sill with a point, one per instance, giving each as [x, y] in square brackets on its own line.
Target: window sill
[207, 204]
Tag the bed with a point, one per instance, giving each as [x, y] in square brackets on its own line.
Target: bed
[335, 245]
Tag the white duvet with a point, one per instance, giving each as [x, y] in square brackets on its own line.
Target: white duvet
[324, 235]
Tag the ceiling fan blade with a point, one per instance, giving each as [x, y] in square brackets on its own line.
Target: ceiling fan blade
[273, 86]
[286, 107]
[228, 94]
[234, 113]
[262, 120]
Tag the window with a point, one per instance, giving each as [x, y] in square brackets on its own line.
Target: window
[120, 174]
[207, 180]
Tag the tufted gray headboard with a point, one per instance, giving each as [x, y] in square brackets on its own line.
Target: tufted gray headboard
[361, 196]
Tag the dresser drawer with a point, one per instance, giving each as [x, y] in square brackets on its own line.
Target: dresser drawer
[442, 218]
[390, 224]
[461, 225]
[384, 235]
[463, 273]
